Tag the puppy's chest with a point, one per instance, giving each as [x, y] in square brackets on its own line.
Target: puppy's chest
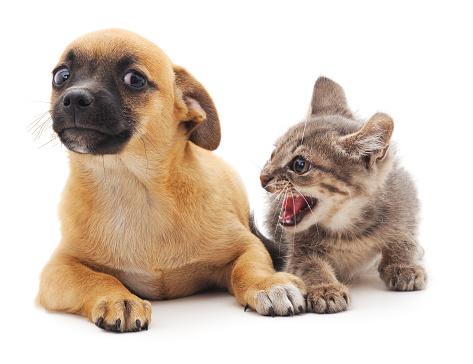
[137, 232]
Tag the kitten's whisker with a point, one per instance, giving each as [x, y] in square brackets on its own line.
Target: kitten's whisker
[276, 199]
[295, 224]
[311, 211]
[307, 202]
[280, 193]
[271, 184]
[303, 132]
[281, 208]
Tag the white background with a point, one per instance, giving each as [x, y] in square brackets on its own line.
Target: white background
[258, 60]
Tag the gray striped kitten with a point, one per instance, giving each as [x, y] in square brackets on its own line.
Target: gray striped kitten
[340, 203]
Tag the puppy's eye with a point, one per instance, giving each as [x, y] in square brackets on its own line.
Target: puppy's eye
[134, 79]
[300, 165]
[61, 76]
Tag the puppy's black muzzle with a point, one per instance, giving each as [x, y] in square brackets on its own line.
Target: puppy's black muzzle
[90, 120]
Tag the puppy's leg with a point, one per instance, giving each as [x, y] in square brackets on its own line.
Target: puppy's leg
[256, 285]
[325, 294]
[69, 286]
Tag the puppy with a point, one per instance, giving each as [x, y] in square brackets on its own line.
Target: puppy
[148, 212]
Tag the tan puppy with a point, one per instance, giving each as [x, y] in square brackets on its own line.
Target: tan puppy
[148, 212]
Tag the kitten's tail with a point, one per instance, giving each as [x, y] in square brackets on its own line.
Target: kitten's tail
[273, 249]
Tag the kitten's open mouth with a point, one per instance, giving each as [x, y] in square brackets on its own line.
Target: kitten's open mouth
[295, 209]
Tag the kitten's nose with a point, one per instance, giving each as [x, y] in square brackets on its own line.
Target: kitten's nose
[264, 180]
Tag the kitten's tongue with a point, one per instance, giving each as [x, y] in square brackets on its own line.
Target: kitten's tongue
[292, 206]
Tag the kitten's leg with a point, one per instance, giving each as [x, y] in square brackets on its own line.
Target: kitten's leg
[399, 268]
[325, 294]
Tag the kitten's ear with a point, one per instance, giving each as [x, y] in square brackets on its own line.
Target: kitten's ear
[372, 142]
[197, 110]
[328, 98]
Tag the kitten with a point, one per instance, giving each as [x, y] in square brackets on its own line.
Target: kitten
[340, 202]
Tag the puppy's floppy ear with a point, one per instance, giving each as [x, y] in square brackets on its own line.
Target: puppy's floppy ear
[197, 110]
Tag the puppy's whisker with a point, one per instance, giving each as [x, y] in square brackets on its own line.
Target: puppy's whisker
[37, 119]
[53, 139]
[33, 127]
[43, 128]
[150, 142]
[146, 153]
[103, 166]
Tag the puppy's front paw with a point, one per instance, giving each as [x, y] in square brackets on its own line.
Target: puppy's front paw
[122, 314]
[279, 295]
[328, 298]
[404, 277]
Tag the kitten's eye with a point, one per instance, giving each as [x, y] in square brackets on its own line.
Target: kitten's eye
[272, 154]
[301, 166]
[61, 76]
[134, 79]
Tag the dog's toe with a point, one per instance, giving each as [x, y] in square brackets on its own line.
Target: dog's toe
[281, 295]
[122, 315]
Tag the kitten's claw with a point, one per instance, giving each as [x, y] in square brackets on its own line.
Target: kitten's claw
[404, 277]
[328, 298]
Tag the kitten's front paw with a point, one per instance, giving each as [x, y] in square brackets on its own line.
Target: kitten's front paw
[279, 295]
[404, 277]
[328, 298]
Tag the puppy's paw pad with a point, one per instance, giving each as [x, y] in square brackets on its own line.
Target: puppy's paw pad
[122, 314]
[404, 277]
[328, 298]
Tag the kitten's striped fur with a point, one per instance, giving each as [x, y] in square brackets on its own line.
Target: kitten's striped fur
[353, 207]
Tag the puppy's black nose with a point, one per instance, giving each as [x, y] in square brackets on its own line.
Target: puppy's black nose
[78, 98]
[264, 180]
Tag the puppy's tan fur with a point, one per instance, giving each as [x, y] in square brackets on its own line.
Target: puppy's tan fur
[163, 218]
